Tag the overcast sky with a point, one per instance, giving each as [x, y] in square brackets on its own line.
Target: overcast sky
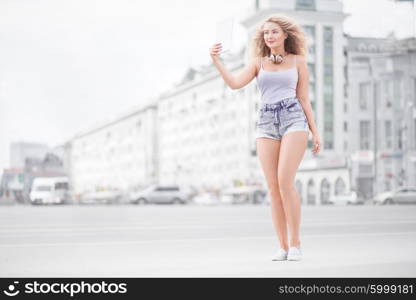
[66, 65]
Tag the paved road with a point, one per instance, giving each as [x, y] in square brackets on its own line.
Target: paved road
[203, 241]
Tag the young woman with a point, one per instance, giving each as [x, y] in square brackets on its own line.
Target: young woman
[284, 119]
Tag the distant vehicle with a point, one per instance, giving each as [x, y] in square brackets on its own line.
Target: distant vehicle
[160, 194]
[244, 194]
[206, 199]
[101, 197]
[403, 195]
[49, 190]
[348, 198]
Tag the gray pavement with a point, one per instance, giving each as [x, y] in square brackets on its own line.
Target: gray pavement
[203, 241]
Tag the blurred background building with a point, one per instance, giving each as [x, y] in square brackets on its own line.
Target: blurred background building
[117, 155]
[27, 161]
[381, 98]
[201, 133]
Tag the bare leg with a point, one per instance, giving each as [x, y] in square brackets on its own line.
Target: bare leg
[291, 153]
[268, 152]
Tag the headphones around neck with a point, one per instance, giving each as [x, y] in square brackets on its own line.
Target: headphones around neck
[276, 59]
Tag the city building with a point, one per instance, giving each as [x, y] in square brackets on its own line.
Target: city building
[116, 155]
[20, 151]
[201, 133]
[27, 161]
[207, 129]
[380, 109]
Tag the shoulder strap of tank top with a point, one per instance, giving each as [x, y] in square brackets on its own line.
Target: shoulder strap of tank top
[261, 62]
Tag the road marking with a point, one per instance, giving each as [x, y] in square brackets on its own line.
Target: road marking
[175, 226]
[109, 243]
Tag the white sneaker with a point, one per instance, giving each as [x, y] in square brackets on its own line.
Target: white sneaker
[280, 255]
[294, 253]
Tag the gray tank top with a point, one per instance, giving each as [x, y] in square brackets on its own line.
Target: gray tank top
[277, 85]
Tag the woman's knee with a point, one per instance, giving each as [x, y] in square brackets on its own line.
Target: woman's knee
[285, 186]
[275, 193]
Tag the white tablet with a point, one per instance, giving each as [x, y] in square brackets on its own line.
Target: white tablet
[224, 34]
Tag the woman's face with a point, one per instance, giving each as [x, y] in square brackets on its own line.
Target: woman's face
[273, 35]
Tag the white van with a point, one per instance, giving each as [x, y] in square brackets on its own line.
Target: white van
[49, 190]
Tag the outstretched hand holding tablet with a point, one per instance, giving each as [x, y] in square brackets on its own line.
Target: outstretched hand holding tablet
[215, 51]
[224, 33]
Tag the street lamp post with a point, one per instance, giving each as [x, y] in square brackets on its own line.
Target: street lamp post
[406, 141]
[375, 96]
[374, 85]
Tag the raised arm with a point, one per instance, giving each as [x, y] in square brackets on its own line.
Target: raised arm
[302, 90]
[233, 81]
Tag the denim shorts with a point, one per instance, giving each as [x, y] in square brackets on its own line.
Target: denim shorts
[276, 119]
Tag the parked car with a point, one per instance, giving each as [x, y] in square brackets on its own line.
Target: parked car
[243, 194]
[160, 194]
[347, 198]
[403, 195]
[49, 190]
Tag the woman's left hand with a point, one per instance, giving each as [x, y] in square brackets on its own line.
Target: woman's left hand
[316, 143]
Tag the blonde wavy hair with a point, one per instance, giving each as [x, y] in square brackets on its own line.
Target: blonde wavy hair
[295, 42]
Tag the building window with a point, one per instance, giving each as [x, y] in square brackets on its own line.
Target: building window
[310, 33]
[325, 191]
[328, 88]
[305, 5]
[328, 127]
[365, 169]
[376, 90]
[364, 135]
[328, 144]
[388, 135]
[364, 95]
[311, 41]
[312, 93]
[414, 91]
[398, 88]
[328, 35]
[340, 186]
[298, 186]
[311, 69]
[310, 193]
[387, 93]
[399, 138]
[414, 175]
[414, 131]
[387, 185]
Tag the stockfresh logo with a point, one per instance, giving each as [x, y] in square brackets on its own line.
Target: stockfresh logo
[11, 289]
